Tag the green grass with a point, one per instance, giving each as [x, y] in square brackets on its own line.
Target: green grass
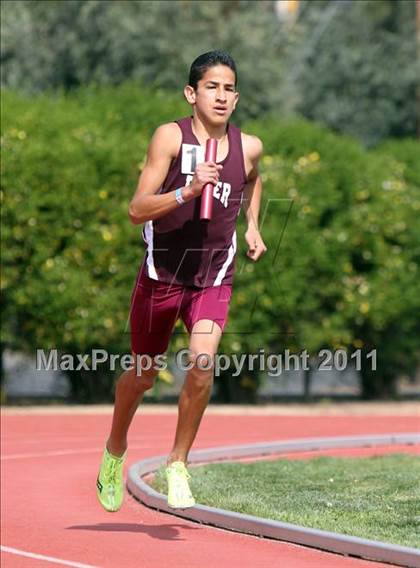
[376, 497]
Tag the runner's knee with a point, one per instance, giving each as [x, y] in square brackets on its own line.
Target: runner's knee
[202, 368]
[143, 379]
[201, 360]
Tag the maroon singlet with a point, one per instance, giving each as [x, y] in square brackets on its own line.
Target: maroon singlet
[181, 248]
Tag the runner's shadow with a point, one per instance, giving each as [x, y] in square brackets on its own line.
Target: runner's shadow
[161, 532]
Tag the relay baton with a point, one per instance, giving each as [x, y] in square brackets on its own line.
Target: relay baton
[206, 208]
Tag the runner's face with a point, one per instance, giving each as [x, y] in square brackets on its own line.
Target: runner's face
[216, 96]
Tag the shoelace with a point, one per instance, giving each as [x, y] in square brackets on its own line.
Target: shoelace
[179, 481]
[181, 469]
[111, 473]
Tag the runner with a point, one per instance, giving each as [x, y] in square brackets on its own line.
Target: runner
[188, 268]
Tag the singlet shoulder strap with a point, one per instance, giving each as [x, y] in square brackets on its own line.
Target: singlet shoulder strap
[237, 153]
[187, 133]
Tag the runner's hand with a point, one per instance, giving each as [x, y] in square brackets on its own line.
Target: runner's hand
[256, 246]
[206, 172]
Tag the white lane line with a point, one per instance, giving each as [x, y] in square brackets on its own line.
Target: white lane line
[46, 558]
[98, 449]
[45, 438]
[51, 439]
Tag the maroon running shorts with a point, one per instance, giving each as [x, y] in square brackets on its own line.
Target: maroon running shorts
[156, 306]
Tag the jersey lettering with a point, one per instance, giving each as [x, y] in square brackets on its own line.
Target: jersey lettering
[221, 191]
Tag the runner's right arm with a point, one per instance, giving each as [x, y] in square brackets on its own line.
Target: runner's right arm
[146, 204]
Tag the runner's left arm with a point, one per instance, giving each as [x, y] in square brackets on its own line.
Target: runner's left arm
[252, 201]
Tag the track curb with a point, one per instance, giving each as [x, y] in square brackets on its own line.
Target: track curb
[315, 538]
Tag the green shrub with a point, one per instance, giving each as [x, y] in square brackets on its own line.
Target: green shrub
[341, 225]
[342, 265]
[70, 254]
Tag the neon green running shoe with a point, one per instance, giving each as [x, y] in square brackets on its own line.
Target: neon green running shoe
[110, 482]
[179, 492]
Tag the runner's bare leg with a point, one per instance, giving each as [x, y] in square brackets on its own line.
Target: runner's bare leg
[196, 391]
[129, 392]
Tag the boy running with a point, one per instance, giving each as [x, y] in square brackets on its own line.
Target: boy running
[188, 268]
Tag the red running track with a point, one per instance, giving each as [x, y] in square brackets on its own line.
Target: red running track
[49, 508]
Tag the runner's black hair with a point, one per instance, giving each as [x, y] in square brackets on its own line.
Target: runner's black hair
[203, 62]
